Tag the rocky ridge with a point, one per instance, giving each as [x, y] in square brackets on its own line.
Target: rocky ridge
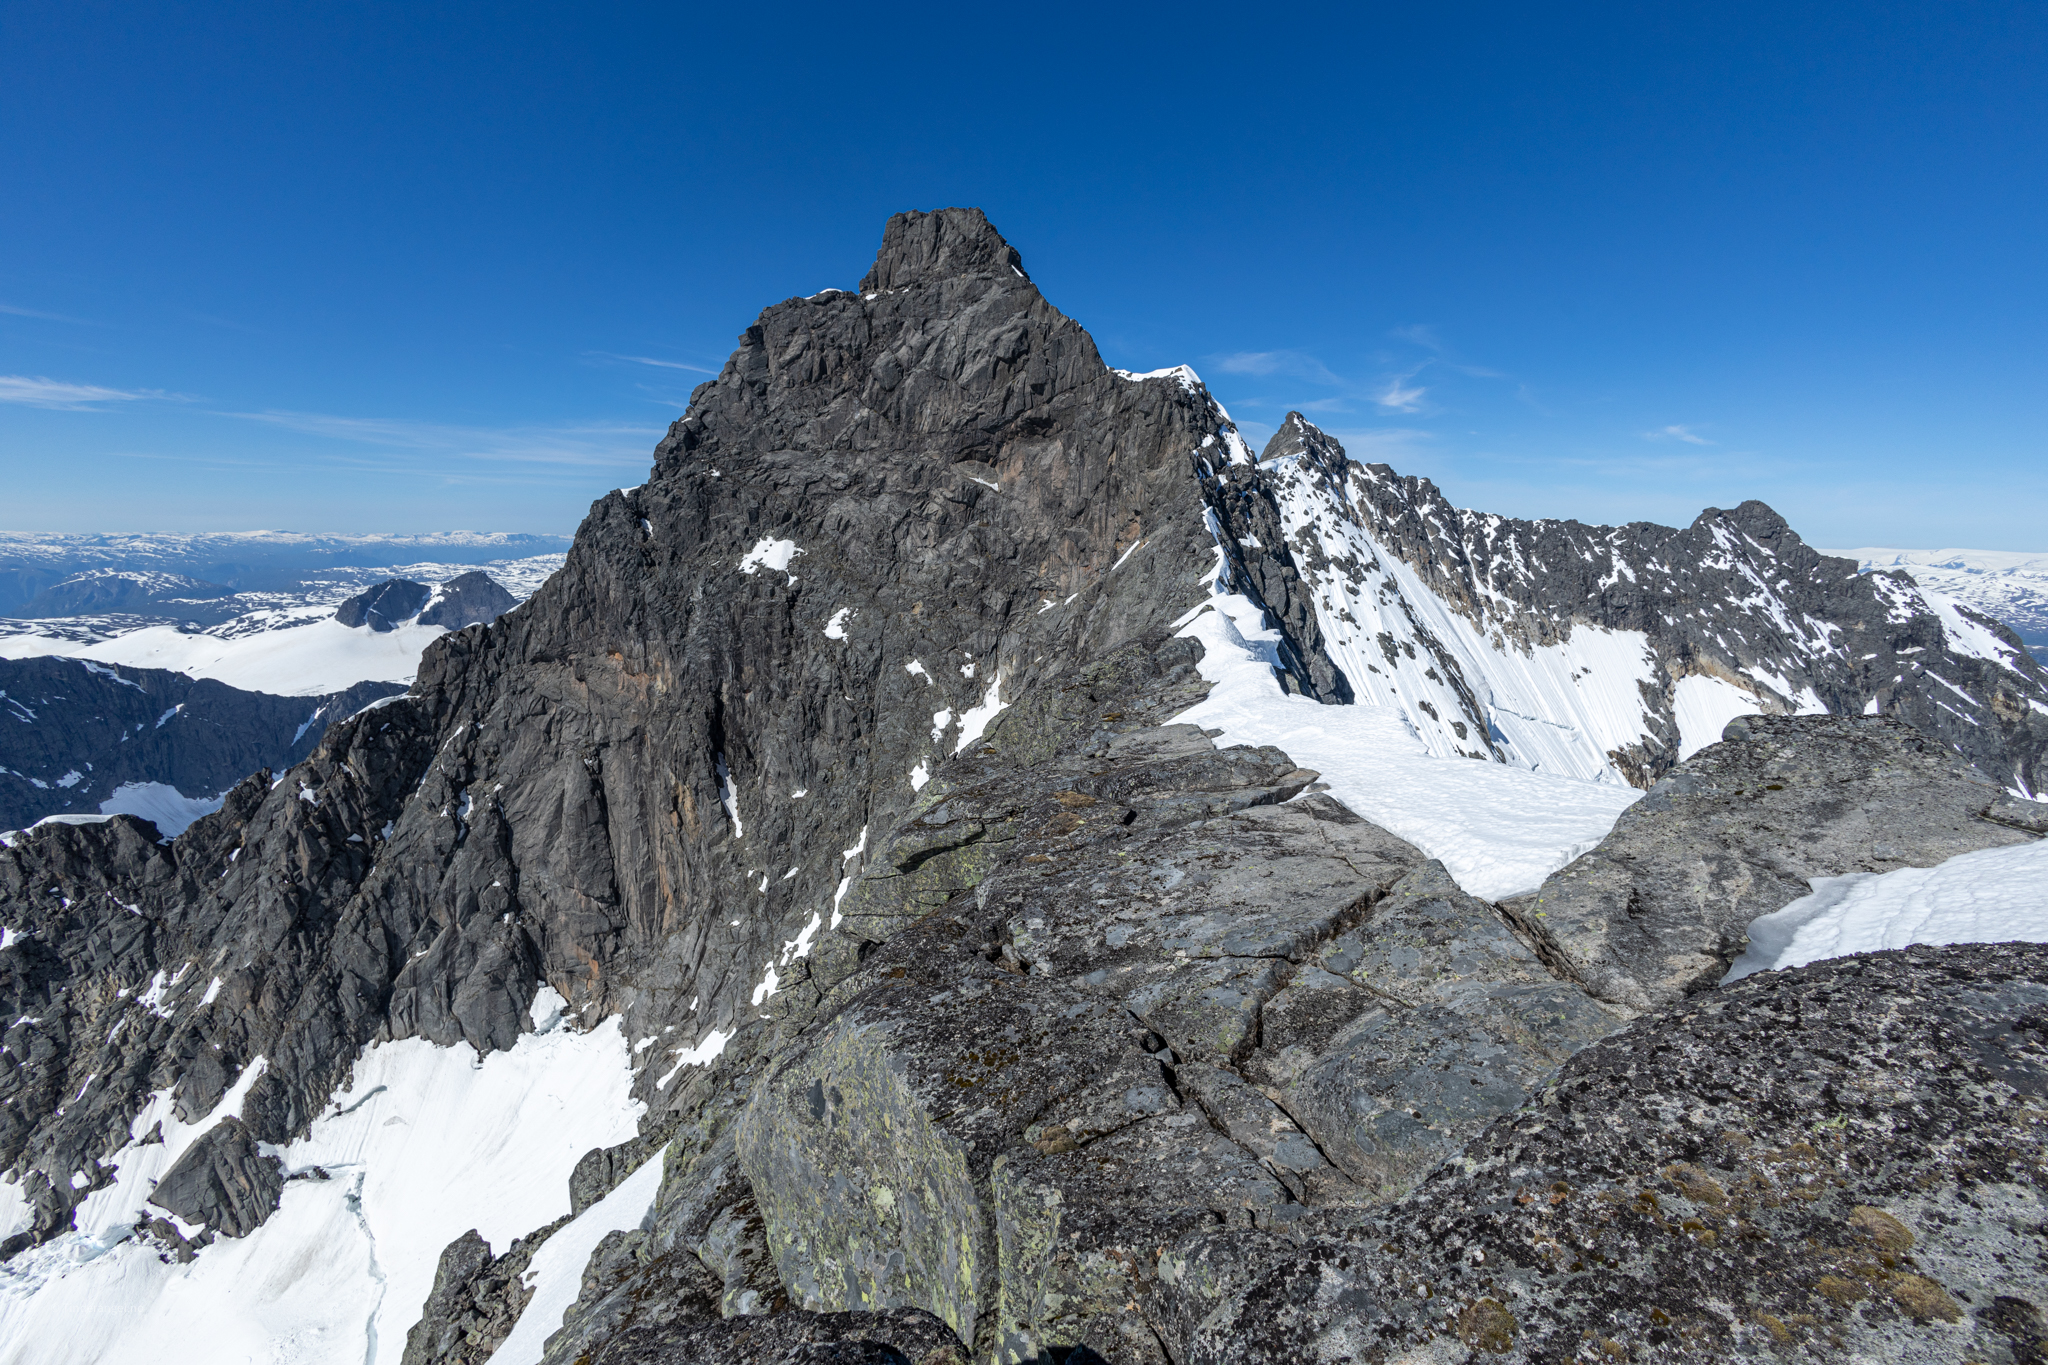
[1581, 648]
[1081, 1034]
[82, 730]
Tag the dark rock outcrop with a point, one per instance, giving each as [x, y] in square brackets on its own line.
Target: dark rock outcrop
[471, 599]
[475, 1302]
[80, 730]
[222, 1181]
[1736, 601]
[386, 605]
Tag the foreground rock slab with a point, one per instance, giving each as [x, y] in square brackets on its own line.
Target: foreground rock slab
[1844, 1162]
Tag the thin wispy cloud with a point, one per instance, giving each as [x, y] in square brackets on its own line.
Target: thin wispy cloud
[650, 360]
[1293, 364]
[1392, 391]
[591, 445]
[12, 311]
[39, 391]
[1418, 334]
[1400, 396]
[1677, 433]
[1385, 445]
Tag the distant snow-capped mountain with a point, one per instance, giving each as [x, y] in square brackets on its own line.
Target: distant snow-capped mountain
[2009, 585]
[284, 641]
[243, 560]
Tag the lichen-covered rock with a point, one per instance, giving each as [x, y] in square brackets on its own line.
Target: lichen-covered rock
[1457, 1022]
[901, 1336]
[1844, 1162]
[1663, 905]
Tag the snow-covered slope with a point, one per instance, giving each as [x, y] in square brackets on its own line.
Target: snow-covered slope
[2008, 585]
[1499, 829]
[300, 656]
[1998, 895]
[426, 1143]
[1600, 653]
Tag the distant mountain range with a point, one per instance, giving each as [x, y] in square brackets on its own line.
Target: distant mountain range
[245, 561]
[284, 639]
[140, 691]
[2009, 585]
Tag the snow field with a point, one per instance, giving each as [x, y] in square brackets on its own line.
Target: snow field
[1703, 706]
[1995, 895]
[169, 808]
[556, 1273]
[1498, 830]
[425, 1143]
[322, 655]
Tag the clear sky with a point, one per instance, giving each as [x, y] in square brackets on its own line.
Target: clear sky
[407, 267]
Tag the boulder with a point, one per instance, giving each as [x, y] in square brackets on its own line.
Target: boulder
[223, 1181]
[1662, 907]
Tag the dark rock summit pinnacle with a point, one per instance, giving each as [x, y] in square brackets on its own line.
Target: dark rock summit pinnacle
[925, 248]
[384, 606]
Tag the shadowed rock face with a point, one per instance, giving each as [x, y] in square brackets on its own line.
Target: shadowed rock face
[384, 606]
[1105, 1040]
[79, 731]
[471, 599]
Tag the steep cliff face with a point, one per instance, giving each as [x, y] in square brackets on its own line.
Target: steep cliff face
[896, 509]
[964, 1001]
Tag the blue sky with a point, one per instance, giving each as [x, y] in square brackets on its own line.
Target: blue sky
[369, 267]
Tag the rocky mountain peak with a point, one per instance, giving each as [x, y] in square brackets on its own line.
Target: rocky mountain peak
[384, 606]
[962, 998]
[924, 248]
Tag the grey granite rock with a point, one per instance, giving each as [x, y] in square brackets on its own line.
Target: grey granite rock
[1461, 1023]
[1663, 905]
[222, 1181]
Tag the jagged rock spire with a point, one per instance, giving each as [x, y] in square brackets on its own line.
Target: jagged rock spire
[923, 248]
